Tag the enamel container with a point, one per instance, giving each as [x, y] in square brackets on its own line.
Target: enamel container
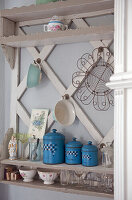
[89, 155]
[73, 153]
[53, 147]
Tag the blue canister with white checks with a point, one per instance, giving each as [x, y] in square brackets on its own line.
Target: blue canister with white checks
[53, 148]
[73, 153]
[89, 155]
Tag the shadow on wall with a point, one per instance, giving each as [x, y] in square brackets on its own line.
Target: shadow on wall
[20, 193]
[4, 192]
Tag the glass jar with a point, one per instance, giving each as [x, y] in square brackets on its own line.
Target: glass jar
[107, 155]
[34, 149]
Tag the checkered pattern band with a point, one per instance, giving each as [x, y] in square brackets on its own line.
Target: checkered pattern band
[74, 153]
[87, 157]
[50, 147]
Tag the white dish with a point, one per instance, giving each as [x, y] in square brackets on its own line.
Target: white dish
[65, 112]
[47, 177]
[27, 174]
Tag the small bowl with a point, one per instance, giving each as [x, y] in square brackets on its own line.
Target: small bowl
[27, 174]
[47, 177]
[65, 112]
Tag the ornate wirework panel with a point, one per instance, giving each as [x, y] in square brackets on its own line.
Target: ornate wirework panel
[94, 72]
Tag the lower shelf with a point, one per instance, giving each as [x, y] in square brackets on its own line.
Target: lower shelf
[98, 169]
[57, 187]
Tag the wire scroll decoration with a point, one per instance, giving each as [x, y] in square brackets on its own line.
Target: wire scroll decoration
[94, 72]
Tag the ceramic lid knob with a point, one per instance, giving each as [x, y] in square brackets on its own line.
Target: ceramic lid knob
[89, 143]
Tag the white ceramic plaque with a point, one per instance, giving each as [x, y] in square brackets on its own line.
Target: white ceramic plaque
[38, 122]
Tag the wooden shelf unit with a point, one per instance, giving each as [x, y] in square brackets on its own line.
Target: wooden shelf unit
[98, 169]
[11, 38]
[38, 184]
[60, 37]
[61, 8]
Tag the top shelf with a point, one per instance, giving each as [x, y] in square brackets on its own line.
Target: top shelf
[60, 8]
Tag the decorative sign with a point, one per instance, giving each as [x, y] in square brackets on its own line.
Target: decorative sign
[38, 122]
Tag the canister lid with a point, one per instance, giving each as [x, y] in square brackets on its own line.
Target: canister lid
[54, 135]
[74, 143]
[89, 147]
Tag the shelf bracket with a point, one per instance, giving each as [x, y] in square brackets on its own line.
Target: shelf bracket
[9, 53]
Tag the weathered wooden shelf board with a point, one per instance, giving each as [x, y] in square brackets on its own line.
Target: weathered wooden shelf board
[98, 169]
[61, 8]
[57, 187]
[60, 37]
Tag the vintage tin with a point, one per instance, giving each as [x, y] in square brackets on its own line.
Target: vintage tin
[89, 155]
[53, 147]
[73, 153]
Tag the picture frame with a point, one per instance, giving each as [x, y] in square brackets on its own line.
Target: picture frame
[38, 123]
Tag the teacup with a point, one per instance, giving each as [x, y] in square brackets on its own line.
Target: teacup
[55, 25]
[34, 76]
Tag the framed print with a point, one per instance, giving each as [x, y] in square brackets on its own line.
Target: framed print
[38, 122]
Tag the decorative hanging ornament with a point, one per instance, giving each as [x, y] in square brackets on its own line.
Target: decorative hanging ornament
[94, 72]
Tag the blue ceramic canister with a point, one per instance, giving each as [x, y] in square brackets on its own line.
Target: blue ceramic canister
[53, 147]
[89, 155]
[73, 154]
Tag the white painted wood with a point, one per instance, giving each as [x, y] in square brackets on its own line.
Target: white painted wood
[119, 143]
[121, 76]
[119, 40]
[92, 129]
[121, 82]
[46, 51]
[14, 84]
[23, 114]
[60, 37]
[99, 168]
[57, 8]
[7, 27]
[60, 87]
[80, 114]
[109, 137]
[80, 23]
[53, 77]
[62, 90]
[9, 53]
[22, 88]
[68, 17]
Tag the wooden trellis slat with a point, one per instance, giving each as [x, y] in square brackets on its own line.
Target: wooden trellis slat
[14, 84]
[43, 55]
[109, 137]
[23, 114]
[22, 88]
[79, 112]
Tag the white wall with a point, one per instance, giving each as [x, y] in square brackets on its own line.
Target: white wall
[63, 60]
